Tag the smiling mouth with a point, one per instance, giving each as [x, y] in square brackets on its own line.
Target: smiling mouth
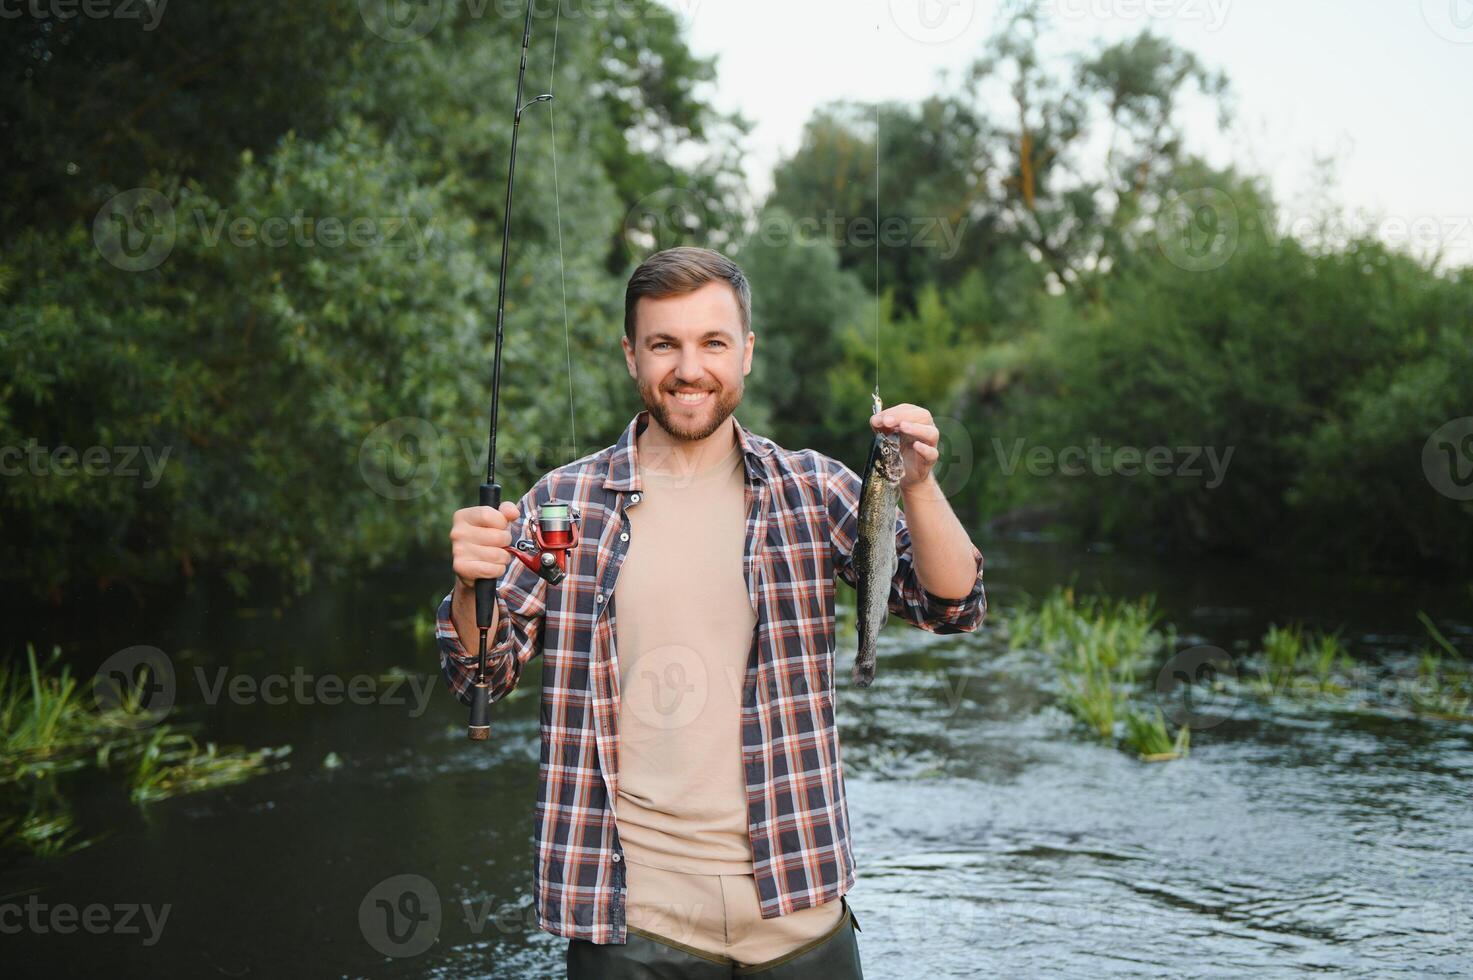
[692, 399]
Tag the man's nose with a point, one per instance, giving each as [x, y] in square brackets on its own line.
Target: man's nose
[689, 370]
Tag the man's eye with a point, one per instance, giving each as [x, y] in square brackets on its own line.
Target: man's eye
[661, 344]
[717, 343]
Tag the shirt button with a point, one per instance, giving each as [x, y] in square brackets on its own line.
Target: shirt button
[599, 597]
[634, 498]
[624, 536]
[617, 857]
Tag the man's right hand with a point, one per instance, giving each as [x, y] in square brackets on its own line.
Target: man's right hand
[479, 548]
[480, 543]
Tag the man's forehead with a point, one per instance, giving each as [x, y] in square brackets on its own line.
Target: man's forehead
[691, 315]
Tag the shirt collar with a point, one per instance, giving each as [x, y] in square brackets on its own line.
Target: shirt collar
[623, 461]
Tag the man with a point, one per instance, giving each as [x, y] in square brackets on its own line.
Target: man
[691, 818]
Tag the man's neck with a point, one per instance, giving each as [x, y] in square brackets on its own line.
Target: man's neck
[662, 452]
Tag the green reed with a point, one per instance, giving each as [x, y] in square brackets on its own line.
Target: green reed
[1149, 736]
[1100, 647]
[1293, 662]
[50, 726]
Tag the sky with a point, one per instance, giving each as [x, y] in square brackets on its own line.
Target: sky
[1384, 87]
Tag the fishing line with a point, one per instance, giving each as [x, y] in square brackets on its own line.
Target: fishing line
[557, 203]
[879, 309]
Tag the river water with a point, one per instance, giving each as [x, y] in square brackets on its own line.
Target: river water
[991, 838]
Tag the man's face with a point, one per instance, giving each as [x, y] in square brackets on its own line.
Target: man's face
[691, 343]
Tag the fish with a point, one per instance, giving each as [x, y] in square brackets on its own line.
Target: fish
[874, 555]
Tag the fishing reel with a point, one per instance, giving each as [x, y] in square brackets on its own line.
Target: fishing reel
[554, 534]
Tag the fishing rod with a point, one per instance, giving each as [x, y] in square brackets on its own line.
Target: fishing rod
[555, 531]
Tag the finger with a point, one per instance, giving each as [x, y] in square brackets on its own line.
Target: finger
[480, 517]
[473, 571]
[495, 516]
[466, 538]
[486, 546]
[896, 416]
[884, 422]
[489, 557]
[922, 432]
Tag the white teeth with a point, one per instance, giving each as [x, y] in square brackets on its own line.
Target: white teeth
[691, 399]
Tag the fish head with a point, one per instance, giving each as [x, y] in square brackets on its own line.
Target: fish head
[890, 464]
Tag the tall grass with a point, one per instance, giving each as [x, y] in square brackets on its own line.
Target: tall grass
[48, 727]
[1100, 647]
[1294, 662]
[44, 726]
[1445, 680]
[1292, 657]
[173, 762]
[1148, 735]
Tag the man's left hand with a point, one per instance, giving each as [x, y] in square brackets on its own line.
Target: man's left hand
[918, 440]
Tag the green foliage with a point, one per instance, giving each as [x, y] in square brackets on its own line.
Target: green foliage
[919, 358]
[41, 718]
[1304, 386]
[90, 103]
[1100, 652]
[1444, 686]
[923, 220]
[1100, 648]
[48, 728]
[1030, 292]
[332, 269]
[1093, 628]
[170, 763]
[802, 302]
[1293, 664]
[1148, 735]
[1363, 468]
[1437, 637]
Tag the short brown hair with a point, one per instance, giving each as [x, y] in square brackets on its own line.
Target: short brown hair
[681, 270]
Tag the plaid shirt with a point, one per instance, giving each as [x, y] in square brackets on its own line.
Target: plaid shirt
[802, 511]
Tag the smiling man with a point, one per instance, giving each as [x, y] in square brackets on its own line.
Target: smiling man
[691, 818]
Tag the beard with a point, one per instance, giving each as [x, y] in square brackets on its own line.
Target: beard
[686, 424]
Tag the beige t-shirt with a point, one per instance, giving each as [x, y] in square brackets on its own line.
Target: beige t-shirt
[684, 635]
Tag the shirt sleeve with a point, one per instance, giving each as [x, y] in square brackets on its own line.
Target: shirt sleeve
[909, 599]
[520, 605]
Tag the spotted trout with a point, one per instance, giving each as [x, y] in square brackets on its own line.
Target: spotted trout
[874, 551]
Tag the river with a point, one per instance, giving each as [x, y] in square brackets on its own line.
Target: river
[992, 839]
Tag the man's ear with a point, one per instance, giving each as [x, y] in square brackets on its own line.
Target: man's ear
[747, 356]
[628, 355]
